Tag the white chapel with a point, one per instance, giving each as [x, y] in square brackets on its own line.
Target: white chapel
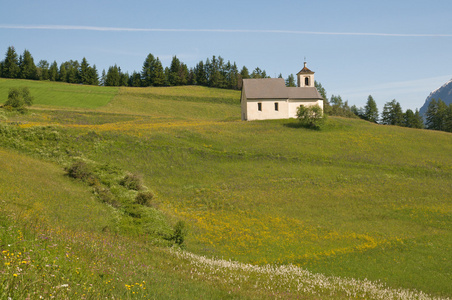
[269, 98]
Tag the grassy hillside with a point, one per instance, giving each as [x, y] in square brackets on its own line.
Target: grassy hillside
[354, 200]
[60, 94]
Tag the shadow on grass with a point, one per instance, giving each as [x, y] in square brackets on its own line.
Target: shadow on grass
[297, 125]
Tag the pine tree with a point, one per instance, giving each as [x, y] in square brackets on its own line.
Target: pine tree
[290, 81]
[233, 77]
[85, 72]
[135, 79]
[174, 72]
[43, 70]
[244, 73]
[62, 76]
[200, 74]
[53, 71]
[436, 115]
[183, 74]
[448, 121]
[103, 78]
[322, 91]
[147, 70]
[213, 72]
[413, 119]
[258, 73]
[371, 110]
[93, 75]
[392, 114]
[113, 77]
[10, 66]
[27, 67]
[158, 75]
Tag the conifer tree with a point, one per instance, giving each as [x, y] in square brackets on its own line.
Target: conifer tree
[27, 67]
[85, 72]
[147, 70]
[135, 79]
[62, 76]
[183, 74]
[436, 115]
[53, 71]
[244, 73]
[113, 77]
[174, 72]
[43, 70]
[371, 110]
[10, 66]
[322, 91]
[200, 74]
[392, 114]
[158, 75]
[412, 119]
[290, 81]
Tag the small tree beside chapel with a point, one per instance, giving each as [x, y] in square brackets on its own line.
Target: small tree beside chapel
[311, 116]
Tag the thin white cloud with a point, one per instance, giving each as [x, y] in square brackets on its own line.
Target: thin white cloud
[126, 29]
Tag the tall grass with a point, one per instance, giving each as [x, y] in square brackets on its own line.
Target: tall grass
[352, 200]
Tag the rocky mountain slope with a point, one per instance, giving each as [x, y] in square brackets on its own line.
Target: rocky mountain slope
[444, 93]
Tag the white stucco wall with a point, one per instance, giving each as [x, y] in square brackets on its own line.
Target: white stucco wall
[268, 109]
[286, 108]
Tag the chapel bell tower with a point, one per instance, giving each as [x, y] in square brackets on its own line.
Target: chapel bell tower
[305, 77]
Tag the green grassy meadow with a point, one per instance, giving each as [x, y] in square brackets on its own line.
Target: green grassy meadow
[353, 200]
[47, 93]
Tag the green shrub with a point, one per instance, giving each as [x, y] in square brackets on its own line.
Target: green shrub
[311, 116]
[106, 196]
[144, 198]
[132, 182]
[180, 232]
[79, 170]
[18, 99]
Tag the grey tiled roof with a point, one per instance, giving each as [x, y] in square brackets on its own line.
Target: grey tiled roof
[275, 88]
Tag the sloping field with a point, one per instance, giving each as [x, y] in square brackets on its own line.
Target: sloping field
[57, 94]
[354, 200]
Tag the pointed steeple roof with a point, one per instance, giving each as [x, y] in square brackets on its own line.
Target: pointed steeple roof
[305, 70]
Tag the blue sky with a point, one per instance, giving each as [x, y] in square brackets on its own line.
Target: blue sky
[389, 49]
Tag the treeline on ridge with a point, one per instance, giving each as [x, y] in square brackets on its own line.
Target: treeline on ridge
[214, 72]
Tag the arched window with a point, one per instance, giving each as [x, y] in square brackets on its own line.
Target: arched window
[306, 81]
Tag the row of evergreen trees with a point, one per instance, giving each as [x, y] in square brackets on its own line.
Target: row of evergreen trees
[392, 114]
[439, 116]
[214, 72]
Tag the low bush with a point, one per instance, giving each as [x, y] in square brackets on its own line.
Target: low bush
[132, 182]
[144, 198]
[179, 233]
[18, 99]
[106, 196]
[79, 170]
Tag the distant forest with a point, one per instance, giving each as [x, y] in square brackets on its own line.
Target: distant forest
[214, 72]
